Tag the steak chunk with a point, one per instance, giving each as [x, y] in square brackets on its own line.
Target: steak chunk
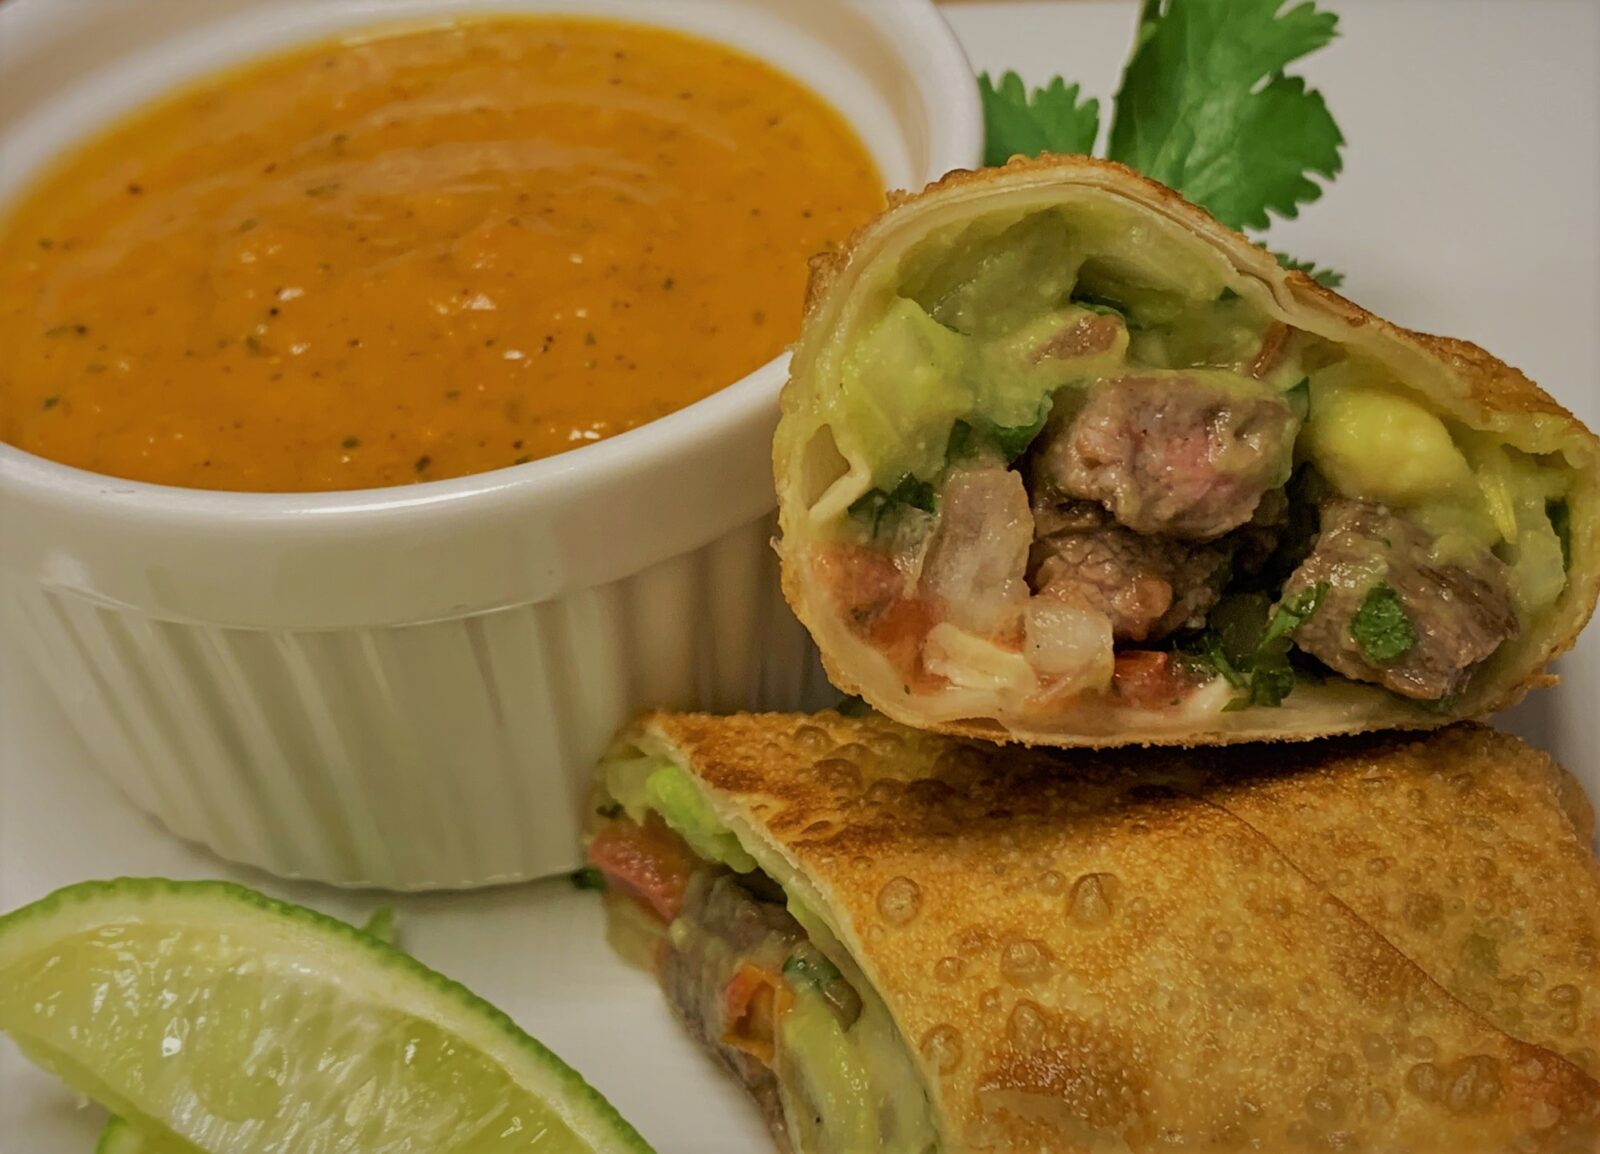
[725, 923]
[1148, 586]
[1171, 455]
[1456, 611]
[1085, 337]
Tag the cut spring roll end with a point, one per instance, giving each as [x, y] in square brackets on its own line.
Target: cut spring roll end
[750, 961]
[1064, 460]
[905, 942]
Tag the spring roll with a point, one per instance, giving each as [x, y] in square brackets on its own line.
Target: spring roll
[1064, 460]
[909, 942]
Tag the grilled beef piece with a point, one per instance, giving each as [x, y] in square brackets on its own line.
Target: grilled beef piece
[1148, 586]
[1257, 542]
[1460, 609]
[1170, 455]
[1084, 337]
[725, 922]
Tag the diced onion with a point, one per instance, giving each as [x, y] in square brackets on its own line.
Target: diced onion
[979, 554]
[975, 663]
[1070, 644]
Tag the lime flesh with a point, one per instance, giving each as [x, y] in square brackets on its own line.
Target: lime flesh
[214, 1019]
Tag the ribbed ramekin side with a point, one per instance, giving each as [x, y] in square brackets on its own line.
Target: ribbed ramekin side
[449, 754]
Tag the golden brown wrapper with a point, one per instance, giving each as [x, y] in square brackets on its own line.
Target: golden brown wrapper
[1463, 381]
[1290, 948]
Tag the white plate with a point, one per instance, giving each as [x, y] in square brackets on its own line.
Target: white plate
[1467, 207]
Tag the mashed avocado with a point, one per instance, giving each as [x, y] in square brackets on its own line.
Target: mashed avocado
[674, 795]
[980, 329]
[896, 1114]
[847, 1087]
[644, 784]
[828, 1092]
[1518, 495]
[904, 385]
[1374, 443]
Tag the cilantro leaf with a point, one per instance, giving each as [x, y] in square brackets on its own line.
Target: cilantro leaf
[1205, 107]
[1013, 440]
[1211, 650]
[1272, 677]
[1010, 441]
[1382, 627]
[807, 966]
[876, 505]
[963, 443]
[1326, 277]
[1290, 615]
[1250, 649]
[1050, 119]
[1269, 685]
[587, 878]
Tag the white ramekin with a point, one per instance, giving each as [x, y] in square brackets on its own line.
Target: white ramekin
[408, 687]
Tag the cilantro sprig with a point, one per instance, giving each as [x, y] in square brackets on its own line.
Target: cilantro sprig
[1205, 107]
[876, 506]
[1326, 277]
[807, 966]
[1248, 643]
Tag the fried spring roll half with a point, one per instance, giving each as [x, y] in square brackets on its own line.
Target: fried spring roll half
[1064, 460]
[907, 942]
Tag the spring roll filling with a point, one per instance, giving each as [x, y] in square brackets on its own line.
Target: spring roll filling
[1068, 459]
[756, 976]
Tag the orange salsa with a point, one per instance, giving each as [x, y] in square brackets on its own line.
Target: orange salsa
[417, 254]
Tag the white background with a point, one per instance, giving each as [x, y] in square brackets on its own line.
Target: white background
[1469, 205]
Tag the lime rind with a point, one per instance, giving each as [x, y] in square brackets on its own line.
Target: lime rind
[361, 961]
[120, 1138]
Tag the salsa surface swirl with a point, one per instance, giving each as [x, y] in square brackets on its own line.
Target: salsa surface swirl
[416, 254]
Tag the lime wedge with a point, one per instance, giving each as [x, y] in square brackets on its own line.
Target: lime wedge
[214, 1019]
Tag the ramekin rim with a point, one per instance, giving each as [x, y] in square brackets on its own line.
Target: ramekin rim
[956, 134]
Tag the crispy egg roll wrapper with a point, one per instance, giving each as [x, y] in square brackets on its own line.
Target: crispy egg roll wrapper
[822, 464]
[1378, 943]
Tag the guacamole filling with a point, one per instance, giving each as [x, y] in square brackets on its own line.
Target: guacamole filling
[755, 976]
[1097, 469]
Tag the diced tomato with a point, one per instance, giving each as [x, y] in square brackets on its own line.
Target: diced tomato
[901, 633]
[862, 581]
[648, 862]
[751, 1004]
[868, 591]
[1149, 679]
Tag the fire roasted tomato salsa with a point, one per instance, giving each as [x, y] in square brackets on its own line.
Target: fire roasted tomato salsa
[417, 254]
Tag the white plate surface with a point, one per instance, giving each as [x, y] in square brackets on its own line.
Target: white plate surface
[1468, 206]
